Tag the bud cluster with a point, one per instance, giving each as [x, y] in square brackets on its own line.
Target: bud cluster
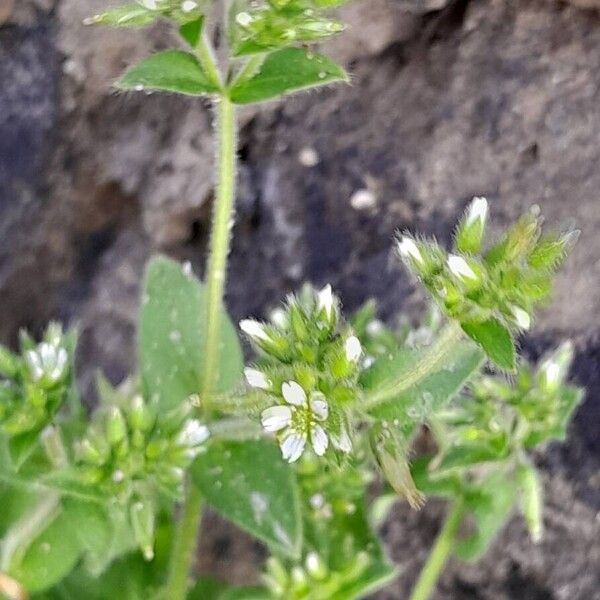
[259, 27]
[134, 454]
[502, 419]
[309, 367]
[34, 383]
[334, 509]
[312, 579]
[505, 283]
[130, 446]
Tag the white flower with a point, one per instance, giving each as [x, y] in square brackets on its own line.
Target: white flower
[256, 379]
[521, 316]
[353, 348]
[193, 433]
[254, 329]
[325, 301]
[47, 360]
[460, 268]
[188, 6]
[478, 209]
[149, 4]
[408, 249]
[298, 421]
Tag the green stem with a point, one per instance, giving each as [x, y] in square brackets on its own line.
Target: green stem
[206, 56]
[184, 546]
[439, 555]
[219, 243]
[430, 360]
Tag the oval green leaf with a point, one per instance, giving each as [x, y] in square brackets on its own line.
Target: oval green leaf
[169, 71]
[284, 72]
[173, 333]
[496, 341]
[249, 484]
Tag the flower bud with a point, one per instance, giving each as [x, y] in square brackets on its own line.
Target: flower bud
[315, 566]
[254, 330]
[143, 524]
[470, 232]
[193, 434]
[409, 251]
[353, 349]
[554, 369]
[465, 271]
[116, 427]
[327, 306]
[550, 251]
[522, 317]
[47, 364]
[140, 416]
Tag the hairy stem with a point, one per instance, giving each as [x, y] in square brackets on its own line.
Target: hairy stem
[184, 546]
[439, 555]
[206, 56]
[431, 359]
[219, 243]
[187, 529]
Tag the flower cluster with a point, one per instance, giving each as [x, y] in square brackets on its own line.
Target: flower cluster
[35, 383]
[259, 27]
[504, 283]
[309, 370]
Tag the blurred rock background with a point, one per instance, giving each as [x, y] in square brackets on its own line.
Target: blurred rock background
[449, 99]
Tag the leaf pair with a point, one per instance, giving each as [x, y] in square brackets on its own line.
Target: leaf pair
[282, 72]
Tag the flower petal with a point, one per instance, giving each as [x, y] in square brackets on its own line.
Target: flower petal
[276, 418]
[343, 441]
[319, 407]
[319, 440]
[292, 446]
[256, 379]
[293, 393]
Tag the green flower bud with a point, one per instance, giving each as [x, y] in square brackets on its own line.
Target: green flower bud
[143, 524]
[550, 251]
[466, 271]
[140, 416]
[554, 369]
[315, 566]
[116, 427]
[470, 231]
